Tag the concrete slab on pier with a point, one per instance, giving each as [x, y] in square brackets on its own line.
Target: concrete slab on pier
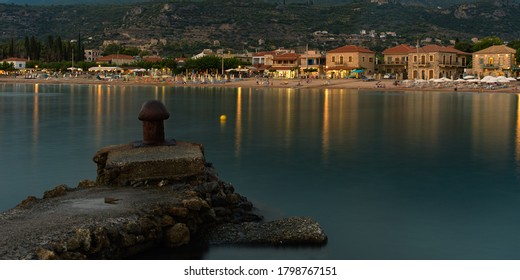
[124, 164]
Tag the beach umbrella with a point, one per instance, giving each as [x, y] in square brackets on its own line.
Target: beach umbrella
[490, 80]
[503, 79]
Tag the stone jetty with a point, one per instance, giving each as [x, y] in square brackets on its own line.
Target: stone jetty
[149, 194]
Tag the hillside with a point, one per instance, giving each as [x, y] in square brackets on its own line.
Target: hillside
[425, 3]
[173, 26]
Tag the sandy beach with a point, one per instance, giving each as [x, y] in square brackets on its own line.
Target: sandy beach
[382, 85]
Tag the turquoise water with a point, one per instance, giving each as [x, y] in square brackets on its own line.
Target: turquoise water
[389, 175]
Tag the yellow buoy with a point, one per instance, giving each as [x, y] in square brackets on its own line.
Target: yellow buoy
[223, 118]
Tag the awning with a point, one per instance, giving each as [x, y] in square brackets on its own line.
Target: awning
[102, 68]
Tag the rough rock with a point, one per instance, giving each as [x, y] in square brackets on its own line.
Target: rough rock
[123, 214]
[288, 231]
[59, 190]
[177, 235]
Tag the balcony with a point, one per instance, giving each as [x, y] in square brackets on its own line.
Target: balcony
[286, 64]
[445, 65]
[489, 66]
[421, 64]
[399, 63]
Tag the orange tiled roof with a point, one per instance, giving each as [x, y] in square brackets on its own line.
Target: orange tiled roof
[16, 59]
[437, 48]
[496, 49]
[351, 48]
[287, 56]
[401, 49]
[264, 53]
[152, 58]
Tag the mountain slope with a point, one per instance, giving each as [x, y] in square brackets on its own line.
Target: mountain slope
[426, 3]
[238, 24]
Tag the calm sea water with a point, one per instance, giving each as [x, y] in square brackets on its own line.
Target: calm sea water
[389, 175]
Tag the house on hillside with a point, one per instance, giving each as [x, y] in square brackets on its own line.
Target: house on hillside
[117, 59]
[433, 62]
[92, 55]
[395, 61]
[18, 63]
[286, 65]
[341, 62]
[203, 53]
[494, 61]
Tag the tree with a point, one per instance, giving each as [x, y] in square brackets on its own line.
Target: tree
[57, 49]
[6, 66]
[486, 43]
[11, 48]
[515, 45]
[464, 46]
[204, 63]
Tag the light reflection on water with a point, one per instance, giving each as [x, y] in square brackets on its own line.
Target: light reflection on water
[389, 175]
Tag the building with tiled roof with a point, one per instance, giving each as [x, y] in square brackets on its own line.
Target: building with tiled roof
[286, 65]
[395, 60]
[341, 62]
[152, 58]
[433, 62]
[312, 63]
[18, 63]
[117, 59]
[494, 61]
[265, 59]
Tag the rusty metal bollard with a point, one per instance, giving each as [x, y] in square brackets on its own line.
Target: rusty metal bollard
[152, 114]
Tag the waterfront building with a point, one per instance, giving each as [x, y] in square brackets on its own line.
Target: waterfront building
[263, 58]
[117, 59]
[342, 61]
[18, 63]
[494, 61]
[263, 61]
[312, 63]
[395, 61]
[433, 62]
[286, 65]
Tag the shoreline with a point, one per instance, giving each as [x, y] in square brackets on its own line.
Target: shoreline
[381, 85]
